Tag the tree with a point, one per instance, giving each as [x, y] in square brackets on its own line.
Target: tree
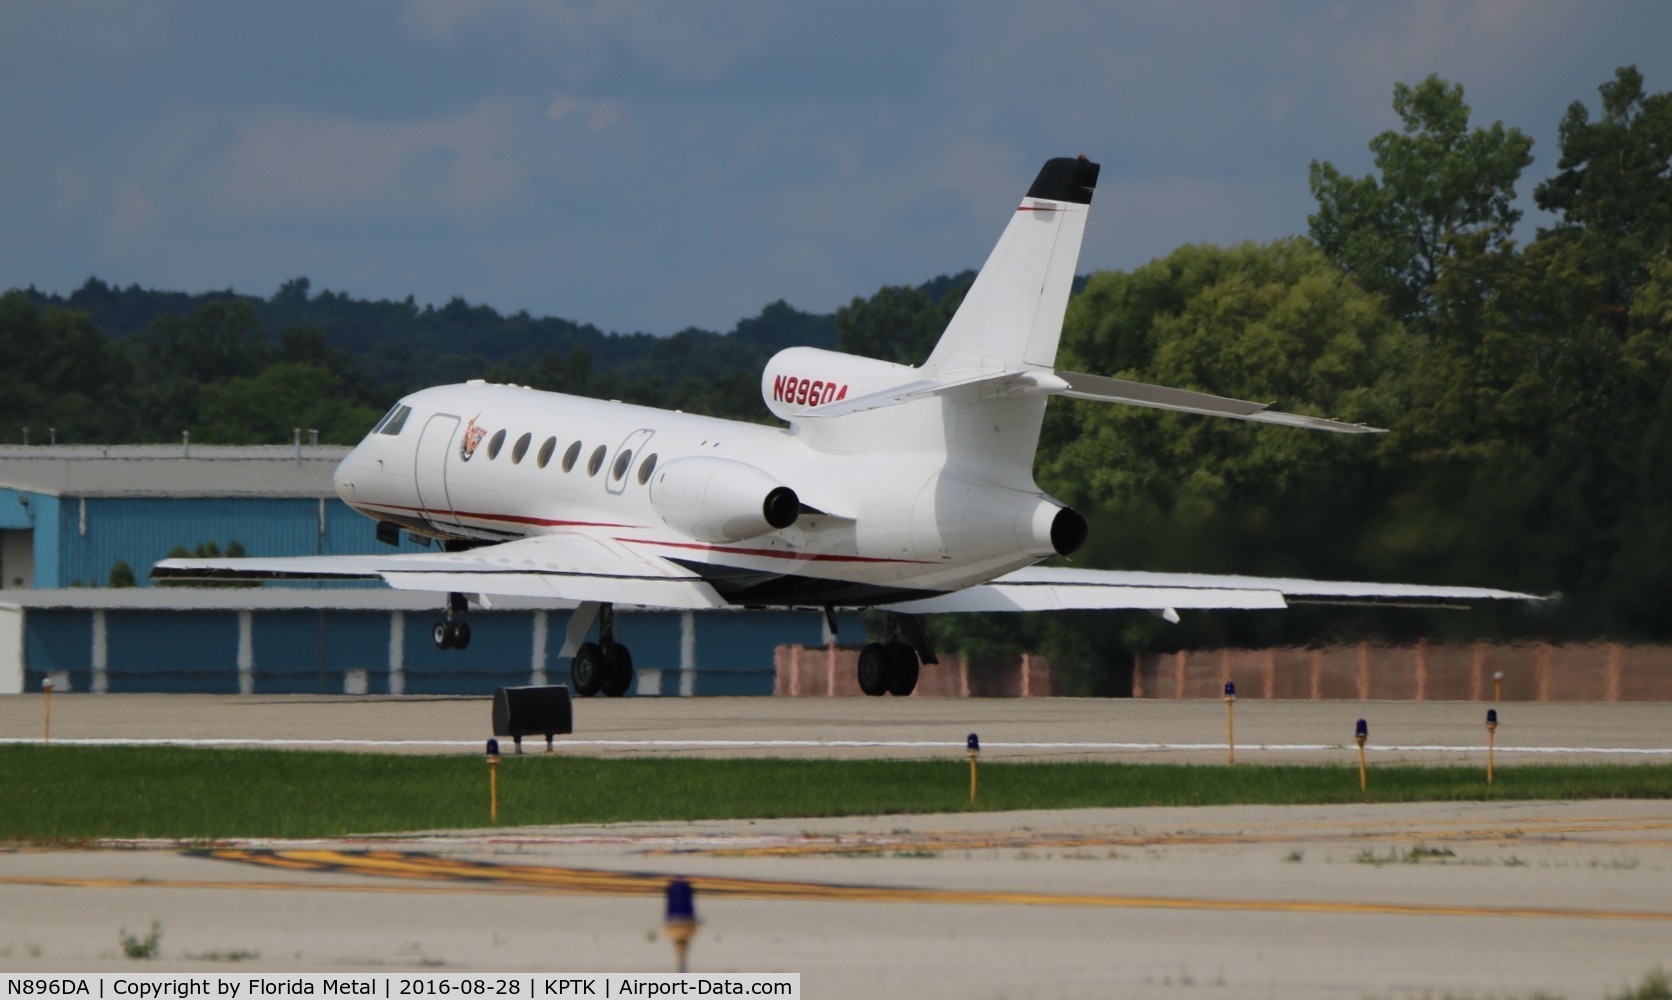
[898, 323]
[1613, 190]
[1441, 184]
[60, 373]
[266, 408]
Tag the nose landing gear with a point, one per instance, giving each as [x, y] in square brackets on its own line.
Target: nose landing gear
[450, 634]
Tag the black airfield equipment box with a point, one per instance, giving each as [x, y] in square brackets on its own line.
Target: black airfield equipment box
[542, 710]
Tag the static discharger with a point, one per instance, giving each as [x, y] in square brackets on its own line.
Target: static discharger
[1230, 722]
[973, 745]
[493, 780]
[1491, 738]
[680, 924]
[1361, 732]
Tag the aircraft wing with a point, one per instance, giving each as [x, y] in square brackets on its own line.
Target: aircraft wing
[1045, 588]
[570, 567]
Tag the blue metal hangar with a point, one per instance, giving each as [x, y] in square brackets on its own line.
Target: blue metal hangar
[72, 516]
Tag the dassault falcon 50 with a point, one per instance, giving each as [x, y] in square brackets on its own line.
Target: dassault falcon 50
[905, 489]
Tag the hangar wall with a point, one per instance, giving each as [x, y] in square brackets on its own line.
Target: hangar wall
[362, 642]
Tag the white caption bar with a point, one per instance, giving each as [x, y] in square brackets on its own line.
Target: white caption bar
[404, 986]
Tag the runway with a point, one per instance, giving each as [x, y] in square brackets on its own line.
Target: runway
[1573, 899]
[1033, 728]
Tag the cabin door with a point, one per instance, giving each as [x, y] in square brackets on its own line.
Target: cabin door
[429, 468]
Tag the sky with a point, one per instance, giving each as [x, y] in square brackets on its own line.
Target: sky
[650, 166]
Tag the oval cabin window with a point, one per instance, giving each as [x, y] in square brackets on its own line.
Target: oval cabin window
[520, 449]
[546, 450]
[646, 467]
[571, 456]
[495, 443]
[596, 462]
[623, 462]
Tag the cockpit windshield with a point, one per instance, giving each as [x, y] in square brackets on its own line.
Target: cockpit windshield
[393, 421]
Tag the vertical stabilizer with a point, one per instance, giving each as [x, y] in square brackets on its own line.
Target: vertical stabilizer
[1012, 317]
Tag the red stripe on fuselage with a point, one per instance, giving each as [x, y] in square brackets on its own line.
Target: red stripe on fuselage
[544, 522]
[768, 553]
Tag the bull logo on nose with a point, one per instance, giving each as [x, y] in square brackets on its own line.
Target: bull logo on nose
[473, 436]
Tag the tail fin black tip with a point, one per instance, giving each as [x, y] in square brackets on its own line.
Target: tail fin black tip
[1066, 179]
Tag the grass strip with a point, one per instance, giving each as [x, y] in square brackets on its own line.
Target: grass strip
[68, 793]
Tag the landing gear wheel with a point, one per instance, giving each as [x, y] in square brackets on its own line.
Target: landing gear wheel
[461, 634]
[442, 633]
[902, 669]
[874, 669]
[586, 670]
[618, 670]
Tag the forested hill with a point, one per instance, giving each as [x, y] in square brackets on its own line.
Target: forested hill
[399, 346]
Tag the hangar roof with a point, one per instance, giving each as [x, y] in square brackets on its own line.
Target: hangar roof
[253, 599]
[170, 470]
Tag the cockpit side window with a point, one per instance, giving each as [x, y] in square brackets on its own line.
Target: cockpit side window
[393, 421]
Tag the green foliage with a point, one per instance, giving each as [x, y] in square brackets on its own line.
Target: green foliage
[122, 575]
[141, 948]
[1441, 182]
[60, 373]
[900, 324]
[266, 408]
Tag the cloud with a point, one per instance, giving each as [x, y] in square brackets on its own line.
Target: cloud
[598, 115]
[286, 164]
[690, 42]
[133, 210]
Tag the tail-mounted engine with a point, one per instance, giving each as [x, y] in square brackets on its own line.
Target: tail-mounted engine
[719, 500]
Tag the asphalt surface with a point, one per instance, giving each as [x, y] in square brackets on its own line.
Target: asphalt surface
[1502, 899]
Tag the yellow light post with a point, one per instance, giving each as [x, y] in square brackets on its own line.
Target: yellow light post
[1497, 686]
[493, 780]
[973, 745]
[1491, 738]
[46, 693]
[1362, 733]
[1230, 722]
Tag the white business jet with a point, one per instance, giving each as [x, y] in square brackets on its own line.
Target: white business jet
[908, 490]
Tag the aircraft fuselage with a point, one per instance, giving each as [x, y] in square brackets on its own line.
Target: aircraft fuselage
[481, 463]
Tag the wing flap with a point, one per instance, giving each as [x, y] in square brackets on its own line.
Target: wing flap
[1000, 595]
[1049, 588]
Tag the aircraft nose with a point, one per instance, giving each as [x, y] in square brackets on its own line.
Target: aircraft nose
[343, 477]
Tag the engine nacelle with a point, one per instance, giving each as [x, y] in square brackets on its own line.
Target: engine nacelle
[719, 500]
[799, 379]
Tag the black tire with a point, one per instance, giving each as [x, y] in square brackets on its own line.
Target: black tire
[461, 635]
[442, 633]
[618, 670]
[902, 669]
[874, 669]
[586, 670]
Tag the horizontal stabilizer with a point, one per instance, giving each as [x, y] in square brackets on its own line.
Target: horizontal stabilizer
[1077, 385]
[1113, 390]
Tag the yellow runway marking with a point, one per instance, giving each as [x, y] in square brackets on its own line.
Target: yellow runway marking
[520, 880]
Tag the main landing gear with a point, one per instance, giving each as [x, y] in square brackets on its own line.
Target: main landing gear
[891, 667]
[603, 666]
[450, 634]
